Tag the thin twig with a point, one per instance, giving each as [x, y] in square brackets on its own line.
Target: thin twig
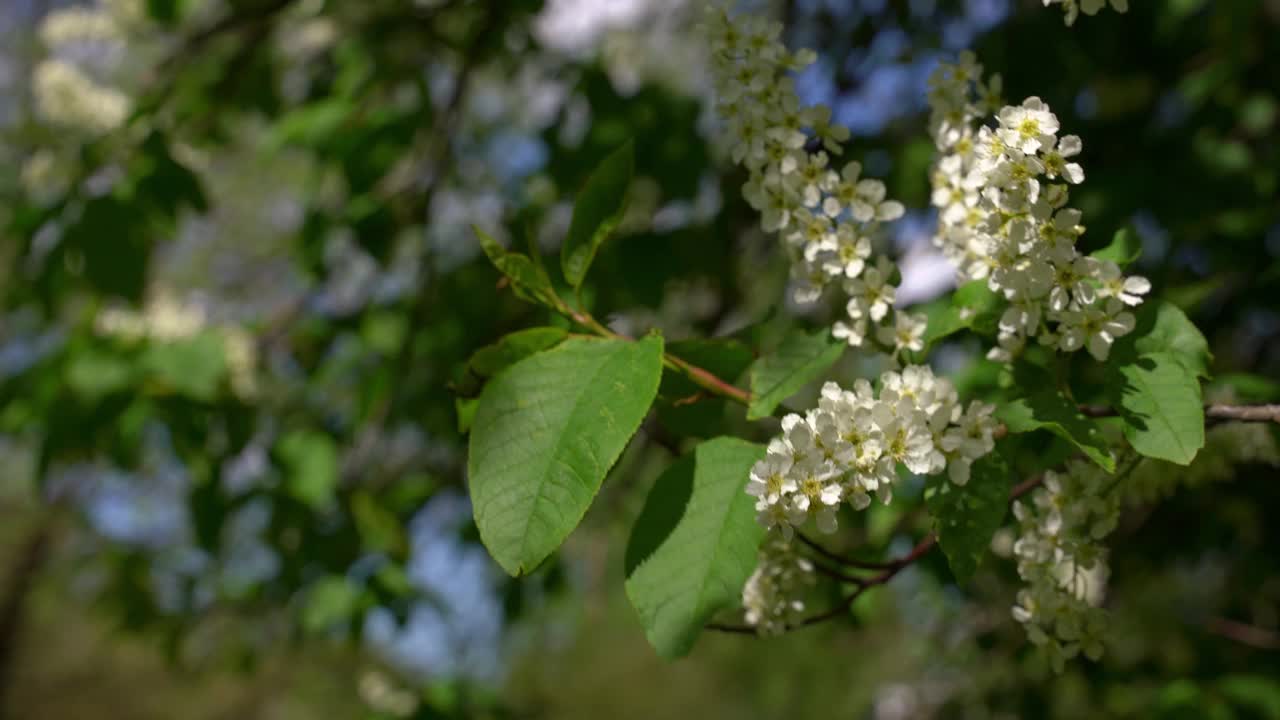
[888, 571]
[1213, 411]
[1250, 635]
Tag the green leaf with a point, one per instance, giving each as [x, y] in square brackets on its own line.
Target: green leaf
[694, 544]
[165, 12]
[1125, 248]
[800, 359]
[331, 600]
[966, 517]
[1163, 410]
[599, 209]
[547, 431]
[194, 366]
[493, 359]
[973, 305]
[113, 242]
[1258, 693]
[528, 282]
[1162, 328]
[465, 407]
[310, 460]
[379, 528]
[1050, 410]
[94, 373]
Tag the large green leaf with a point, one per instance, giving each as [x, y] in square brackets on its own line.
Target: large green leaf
[1161, 403]
[599, 209]
[800, 359]
[694, 544]
[1050, 410]
[545, 434]
[1163, 328]
[966, 517]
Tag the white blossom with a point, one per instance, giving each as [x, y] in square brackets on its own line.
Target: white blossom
[1003, 218]
[851, 445]
[1062, 563]
[773, 596]
[827, 220]
[1071, 8]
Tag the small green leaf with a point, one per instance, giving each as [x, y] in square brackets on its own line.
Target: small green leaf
[599, 209]
[973, 305]
[1161, 403]
[547, 431]
[966, 518]
[379, 528]
[465, 407]
[1162, 328]
[694, 544]
[94, 373]
[193, 366]
[528, 282]
[800, 359]
[331, 601]
[1050, 410]
[1125, 248]
[310, 460]
[493, 359]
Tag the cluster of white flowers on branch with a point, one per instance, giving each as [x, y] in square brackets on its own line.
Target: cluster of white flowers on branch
[826, 218]
[852, 444]
[1071, 8]
[1001, 194]
[84, 94]
[773, 595]
[1061, 559]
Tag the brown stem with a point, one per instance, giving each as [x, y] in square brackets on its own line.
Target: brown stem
[18, 591]
[1213, 411]
[888, 571]
[1244, 634]
[708, 381]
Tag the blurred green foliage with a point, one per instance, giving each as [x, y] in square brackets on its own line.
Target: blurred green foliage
[378, 124]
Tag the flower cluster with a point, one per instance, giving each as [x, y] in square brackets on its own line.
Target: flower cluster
[1001, 194]
[1062, 562]
[166, 318]
[826, 218]
[773, 594]
[76, 85]
[1071, 8]
[851, 445]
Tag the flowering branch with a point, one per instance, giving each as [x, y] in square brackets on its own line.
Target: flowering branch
[715, 385]
[888, 571]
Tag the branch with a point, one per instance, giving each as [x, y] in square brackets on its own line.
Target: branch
[889, 570]
[21, 579]
[1250, 635]
[1214, 411]
[701, 377]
